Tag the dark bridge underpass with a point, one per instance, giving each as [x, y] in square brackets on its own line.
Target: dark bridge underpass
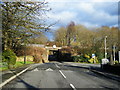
[57, 55]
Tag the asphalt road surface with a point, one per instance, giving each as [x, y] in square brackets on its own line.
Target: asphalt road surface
[60, 76]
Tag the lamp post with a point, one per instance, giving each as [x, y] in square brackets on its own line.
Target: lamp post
[105, 48]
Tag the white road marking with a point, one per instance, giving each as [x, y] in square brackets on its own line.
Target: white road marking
[73, 86]
[62, 74]
[57, 66]
[13, 77]
[35, 70]
[49, 69]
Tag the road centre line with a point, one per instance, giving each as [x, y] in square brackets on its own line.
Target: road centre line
[62, 74]
[73, 86]
[57, 66]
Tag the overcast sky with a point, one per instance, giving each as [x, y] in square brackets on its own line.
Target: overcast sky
[91, 13]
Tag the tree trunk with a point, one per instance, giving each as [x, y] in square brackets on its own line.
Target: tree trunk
[111, 60]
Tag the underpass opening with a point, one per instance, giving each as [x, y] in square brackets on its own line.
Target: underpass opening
[58, 55]
[53, 55]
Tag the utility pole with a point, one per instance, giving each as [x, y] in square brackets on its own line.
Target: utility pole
[114, 52]
[119, 56]
[105, 48]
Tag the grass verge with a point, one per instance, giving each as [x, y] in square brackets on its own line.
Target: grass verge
[18, 64]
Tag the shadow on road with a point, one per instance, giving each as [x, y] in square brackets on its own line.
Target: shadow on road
[27, 86]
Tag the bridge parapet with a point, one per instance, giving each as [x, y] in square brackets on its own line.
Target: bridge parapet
[51, 48]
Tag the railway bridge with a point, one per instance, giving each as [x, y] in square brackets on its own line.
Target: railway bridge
[52, 53]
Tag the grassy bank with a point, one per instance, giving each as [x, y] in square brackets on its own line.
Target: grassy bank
[18, 64]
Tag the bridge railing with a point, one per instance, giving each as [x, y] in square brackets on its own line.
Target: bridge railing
[53, 48]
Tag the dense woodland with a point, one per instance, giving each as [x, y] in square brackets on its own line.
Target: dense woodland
[87, 41]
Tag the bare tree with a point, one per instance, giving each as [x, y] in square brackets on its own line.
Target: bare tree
[71, 31]
[21, 20]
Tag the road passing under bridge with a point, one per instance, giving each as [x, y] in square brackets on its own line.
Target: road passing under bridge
[60, 75]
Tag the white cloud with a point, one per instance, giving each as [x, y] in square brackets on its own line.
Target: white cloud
[103, 17]
[86, 7]
[105, 0]
[87, 24]
[116, 25]
[90, 11]
[65, 1]
[63, 17]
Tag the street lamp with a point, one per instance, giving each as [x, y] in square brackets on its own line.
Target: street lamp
[105, 48]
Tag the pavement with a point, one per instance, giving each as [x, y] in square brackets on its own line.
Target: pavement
[61, 76]
[96, 68]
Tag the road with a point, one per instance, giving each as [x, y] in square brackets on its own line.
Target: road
[60, 76]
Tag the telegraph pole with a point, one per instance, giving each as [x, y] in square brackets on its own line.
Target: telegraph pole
[114, 52]
[105, 48]
[119, 56]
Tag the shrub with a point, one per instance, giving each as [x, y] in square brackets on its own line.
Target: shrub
[65, 54]
[76, 58]
[66, 50]
[81, 58]
[9, 57]
[39, 54]
[86, 56]
[100, 56]
[92, 60]
[37, 58]
[116, 62]
[21, 50]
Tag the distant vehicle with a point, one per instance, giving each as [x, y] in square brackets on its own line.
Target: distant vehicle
[105, 61]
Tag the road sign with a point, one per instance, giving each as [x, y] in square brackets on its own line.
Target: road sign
[93, 55]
